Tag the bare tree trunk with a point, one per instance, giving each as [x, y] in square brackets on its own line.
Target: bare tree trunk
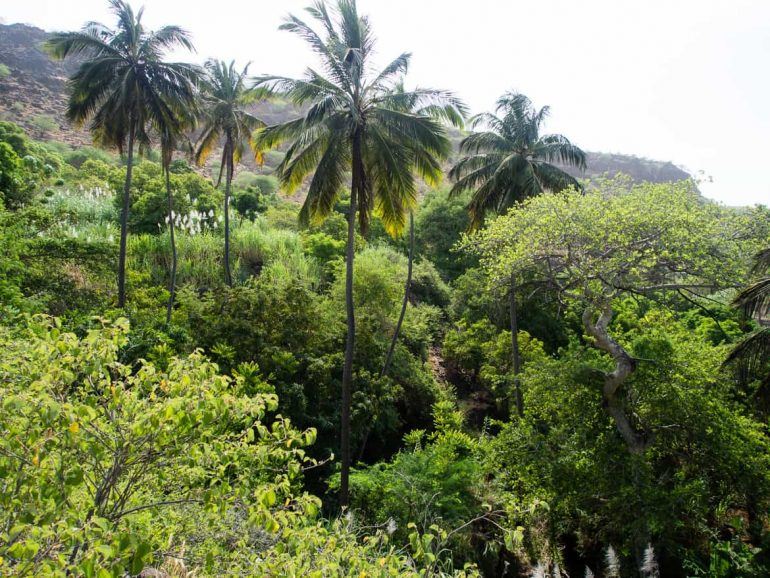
[407, 289]
[625, 365]
[172, 280]
[636, 441]
[515, 358]
[347, 372]
[124, 217]
[228, 182]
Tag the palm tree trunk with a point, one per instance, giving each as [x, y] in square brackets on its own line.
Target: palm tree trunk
[406, 298]
[172, 280]
[347, 372]
[228, 182]
[515, 358]
[124, 218]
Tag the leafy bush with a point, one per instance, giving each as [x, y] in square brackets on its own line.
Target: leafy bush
[44, 123]
[438, 225]
[250, 202]
[434, 485]
[196, 201]
[266, 184]
[83, 154]
[15, 187]
[103, 459]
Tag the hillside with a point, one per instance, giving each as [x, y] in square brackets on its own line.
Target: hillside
[33, 94]
[200, 377]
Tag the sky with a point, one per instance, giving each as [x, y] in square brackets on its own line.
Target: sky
[686, 81]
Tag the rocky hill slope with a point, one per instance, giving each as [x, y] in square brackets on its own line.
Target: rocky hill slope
[33, 93]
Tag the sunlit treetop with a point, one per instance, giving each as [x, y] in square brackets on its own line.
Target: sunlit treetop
[617, 239]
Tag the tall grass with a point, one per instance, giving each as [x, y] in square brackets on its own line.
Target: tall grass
[257, 249]
[79, 206]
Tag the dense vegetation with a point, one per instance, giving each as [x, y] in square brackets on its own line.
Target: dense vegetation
[543, 377]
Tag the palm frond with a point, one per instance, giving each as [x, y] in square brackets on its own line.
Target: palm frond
[752, 355]
[484, 141]
[396, 68]
[93, 41]
[170, 37]
[327, 182]
[558, 148]
[754, 300]
[553, 179]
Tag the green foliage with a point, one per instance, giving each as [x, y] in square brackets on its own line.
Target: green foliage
[44, 123]
[266, 184]
[14, 187]
[438, 225]
[5, 72]
[483, 354]
[196, 201]
[93, 451]
[566, 453]
[123, 451]
[648, 239]
[12, 268]
[438, 482]
[250, 202]
[23, 165]
[83, 154]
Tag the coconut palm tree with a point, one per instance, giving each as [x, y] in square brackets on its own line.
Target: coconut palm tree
[224, 119]
[448, 113]
[172, 134]
[506, 163]
[123, 87]
[354, 123]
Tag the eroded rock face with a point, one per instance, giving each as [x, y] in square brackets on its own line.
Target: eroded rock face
[33, 93]
[638, 168]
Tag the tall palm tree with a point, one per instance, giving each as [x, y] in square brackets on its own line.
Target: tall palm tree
[172, 134]
[448, 113]
[225, 94]
[354, 122]
[123, 87]
[506, 163]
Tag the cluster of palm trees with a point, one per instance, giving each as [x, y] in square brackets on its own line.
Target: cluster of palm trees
[358, 123]
[129, 95]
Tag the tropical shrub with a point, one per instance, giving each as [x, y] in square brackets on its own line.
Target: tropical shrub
[113, 468]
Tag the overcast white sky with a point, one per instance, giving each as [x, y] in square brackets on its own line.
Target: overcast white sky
[686, 80]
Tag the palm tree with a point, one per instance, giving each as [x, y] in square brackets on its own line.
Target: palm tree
[506, 163]
[449, 113]
[354, 122]
[225, 93]
[123, 87]
[172, 133]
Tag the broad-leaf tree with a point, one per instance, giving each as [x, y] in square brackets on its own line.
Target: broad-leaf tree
[354, 123]
[225, 120]
[595, 250]
[595, 247]
[123, 87]
[506, 163]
